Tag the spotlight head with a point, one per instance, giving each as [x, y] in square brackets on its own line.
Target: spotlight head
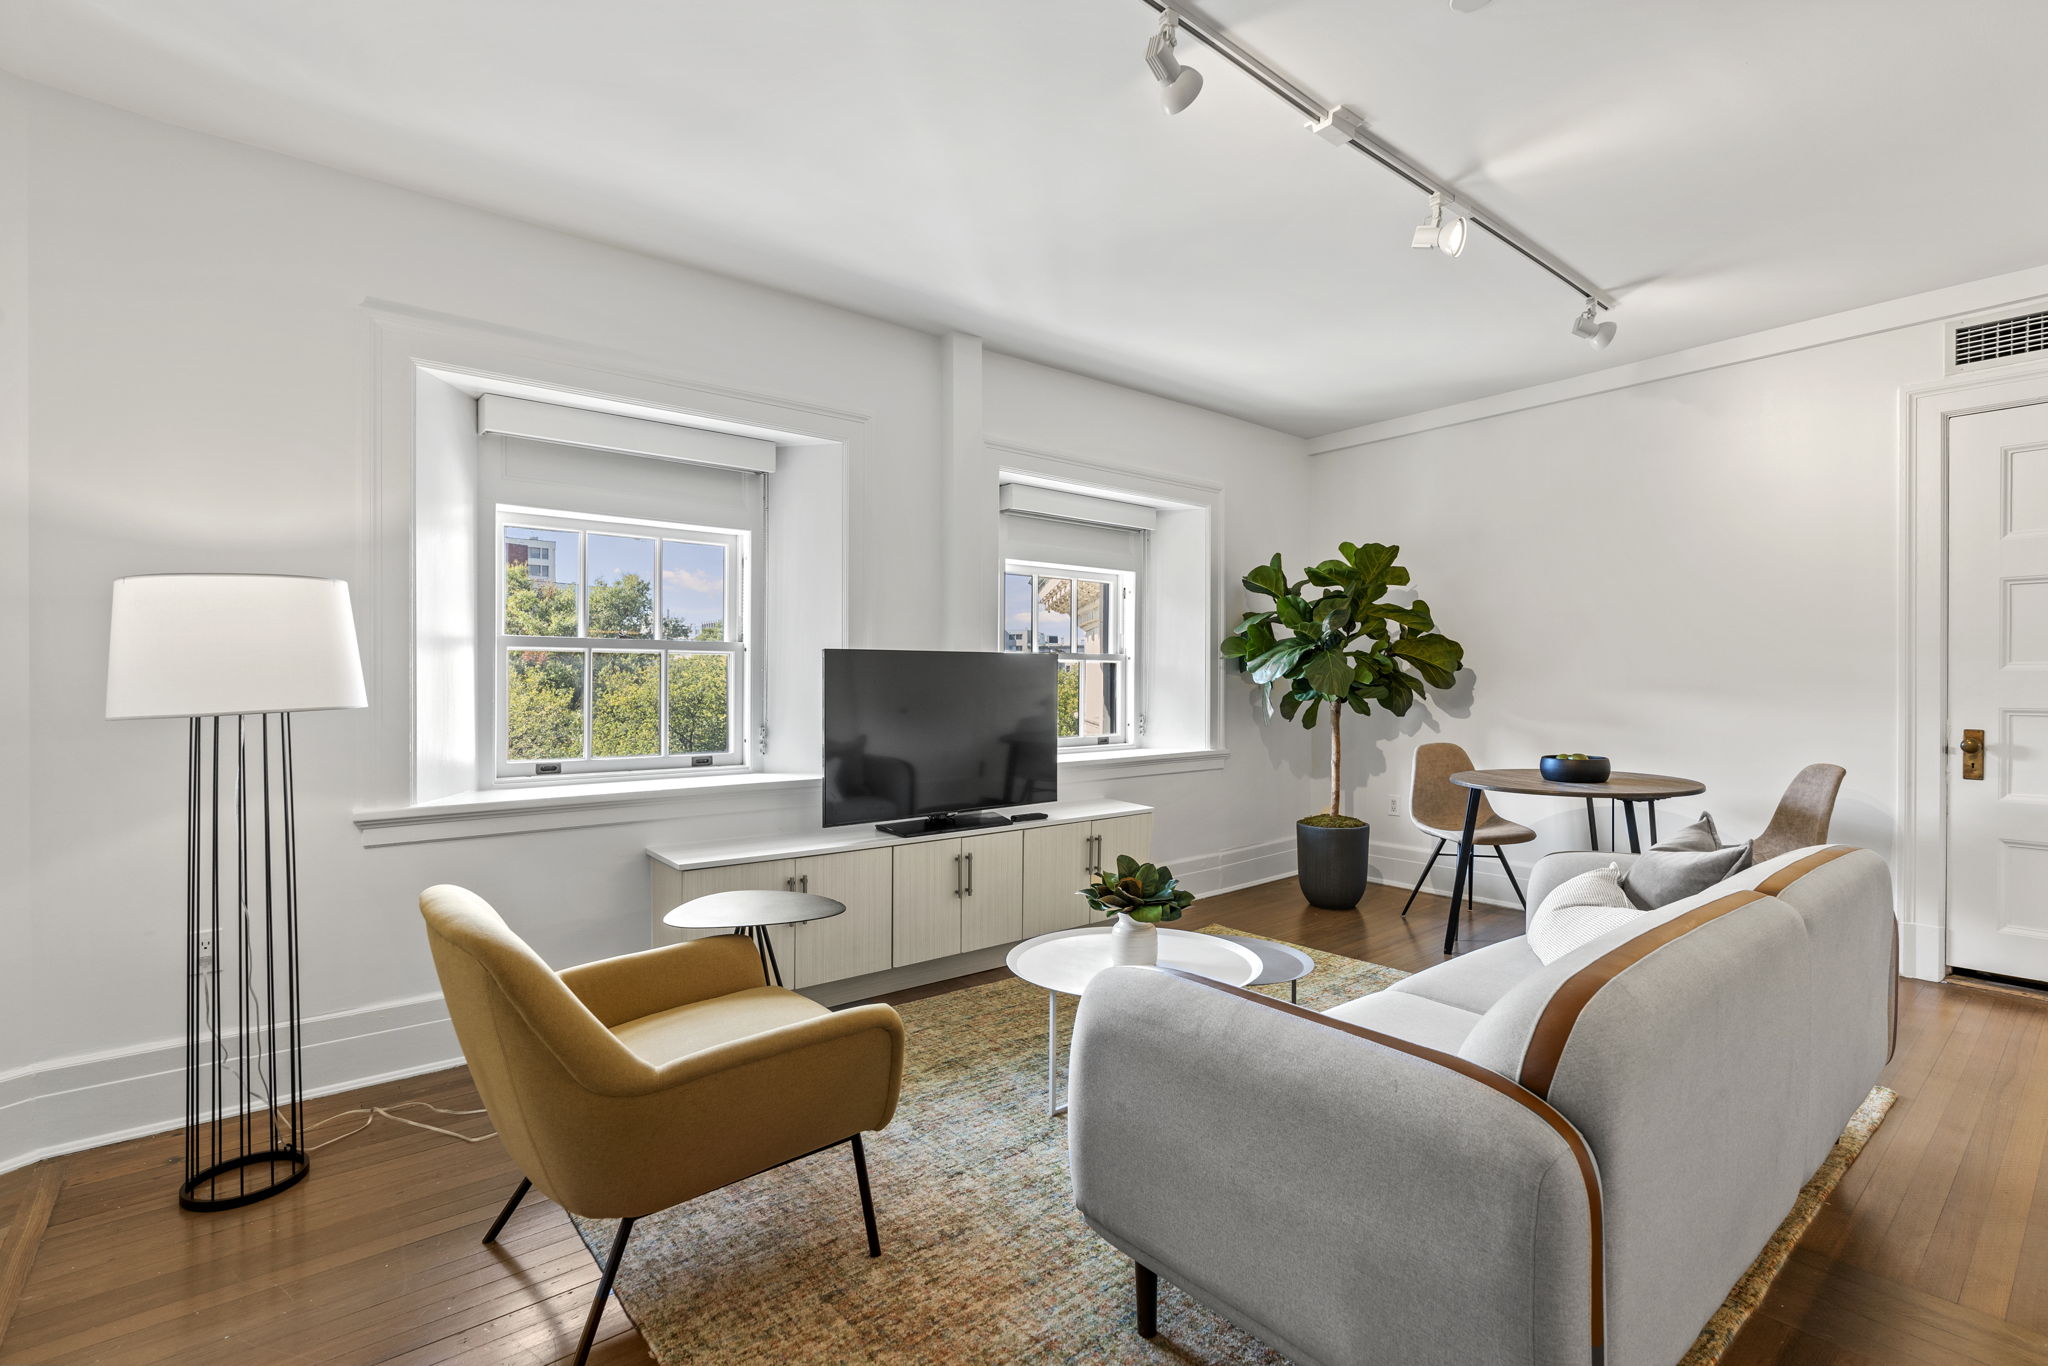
[1178, 85]
[1592, 331]
[1446, 232]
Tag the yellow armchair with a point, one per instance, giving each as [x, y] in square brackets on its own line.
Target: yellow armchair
[626, 1086]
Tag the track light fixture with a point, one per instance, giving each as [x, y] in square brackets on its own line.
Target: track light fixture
[1453, 217]
[1591, 330]
[1447, 229]
[1178, 85]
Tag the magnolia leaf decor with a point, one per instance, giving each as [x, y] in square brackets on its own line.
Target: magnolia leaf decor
[1140, 890]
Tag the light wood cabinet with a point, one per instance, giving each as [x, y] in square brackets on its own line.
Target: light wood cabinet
[931, 879]
[1059, 860]
[911, 901]
[992, 911]
[857, 941]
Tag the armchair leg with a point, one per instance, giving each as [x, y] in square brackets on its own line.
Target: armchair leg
[1501, 854]
[867, 1196]
[1434, 856]
[1148, 1300]
[604, 1289]
[498, 1226]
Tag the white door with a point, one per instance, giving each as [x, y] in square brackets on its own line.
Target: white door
[1998, 684]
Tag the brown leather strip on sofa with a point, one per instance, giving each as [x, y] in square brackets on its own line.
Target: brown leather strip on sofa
[1589, 1173]
[1792, 872]
[1554, 1027]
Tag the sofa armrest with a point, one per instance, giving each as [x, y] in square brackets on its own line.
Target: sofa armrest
[1553, 869]
[637, 984]
[1347, 1196]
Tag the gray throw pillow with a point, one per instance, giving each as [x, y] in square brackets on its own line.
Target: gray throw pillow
[1686, 864]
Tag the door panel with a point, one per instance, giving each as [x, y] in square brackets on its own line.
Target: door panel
[992, 912]
[1998, 683]
[1055, 868]
[1120, 835]
[859, 940]
[930, 879]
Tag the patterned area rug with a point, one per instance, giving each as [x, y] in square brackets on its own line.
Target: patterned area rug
[983, 1258]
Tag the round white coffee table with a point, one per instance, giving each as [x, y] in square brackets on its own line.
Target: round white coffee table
[1066, 961]
[752, 913]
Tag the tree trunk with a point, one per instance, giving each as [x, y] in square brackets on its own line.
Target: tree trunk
[1337, 760]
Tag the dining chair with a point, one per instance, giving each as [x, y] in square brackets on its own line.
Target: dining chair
[1803, 813]
[1437, 807]
[629, 1085]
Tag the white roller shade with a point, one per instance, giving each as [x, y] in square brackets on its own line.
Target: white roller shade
[1056, 527]
[616, 432]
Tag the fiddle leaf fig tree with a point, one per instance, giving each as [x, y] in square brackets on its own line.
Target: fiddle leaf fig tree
[1345, 646]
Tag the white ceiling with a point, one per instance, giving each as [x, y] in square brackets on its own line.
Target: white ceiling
[1005, 169]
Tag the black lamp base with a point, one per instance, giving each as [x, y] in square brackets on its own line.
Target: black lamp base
[210, 1189]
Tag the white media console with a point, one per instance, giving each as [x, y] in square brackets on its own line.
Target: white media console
[919, 909]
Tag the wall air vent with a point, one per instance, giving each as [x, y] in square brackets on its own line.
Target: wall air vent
[1997, 341]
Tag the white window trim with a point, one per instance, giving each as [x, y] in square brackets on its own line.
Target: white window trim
[495, 770]
[1124, 631]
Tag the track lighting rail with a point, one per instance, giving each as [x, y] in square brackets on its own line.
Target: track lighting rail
[1325, 116]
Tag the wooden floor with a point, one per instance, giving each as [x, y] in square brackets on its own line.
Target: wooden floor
[1934, 1249]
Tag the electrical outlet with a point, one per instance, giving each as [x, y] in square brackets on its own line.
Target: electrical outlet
[205, 938]
[1393, 806]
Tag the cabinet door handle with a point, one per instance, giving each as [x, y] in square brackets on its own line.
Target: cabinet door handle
[789, 883]
[970, 875]
[803, 884]
[956, 875]
[1095, 855]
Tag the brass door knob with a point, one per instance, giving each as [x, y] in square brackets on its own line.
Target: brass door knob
[1973, 755]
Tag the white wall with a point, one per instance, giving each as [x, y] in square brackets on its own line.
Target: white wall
[203, 382]
[1696, 576]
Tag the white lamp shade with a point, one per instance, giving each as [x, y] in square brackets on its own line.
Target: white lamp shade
[222, 644]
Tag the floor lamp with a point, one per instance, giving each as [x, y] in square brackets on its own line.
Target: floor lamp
[236, 655]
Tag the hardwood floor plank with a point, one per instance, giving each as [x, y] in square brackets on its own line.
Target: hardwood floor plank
[25, 1237]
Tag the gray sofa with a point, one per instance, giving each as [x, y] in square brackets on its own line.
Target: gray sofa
[1493, 1161]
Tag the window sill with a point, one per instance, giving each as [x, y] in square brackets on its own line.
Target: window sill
[1141, 763]
[523, 810]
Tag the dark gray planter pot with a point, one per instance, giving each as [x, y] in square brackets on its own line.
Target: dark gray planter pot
[1331, 860]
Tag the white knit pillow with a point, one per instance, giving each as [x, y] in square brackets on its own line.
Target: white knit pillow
[1578, 911]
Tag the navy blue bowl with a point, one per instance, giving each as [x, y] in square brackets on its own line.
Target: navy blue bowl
[1590, 770]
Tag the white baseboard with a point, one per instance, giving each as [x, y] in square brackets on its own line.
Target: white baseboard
[1922, 953]
[1232, 869]
[92, 1099]
[1398, 865]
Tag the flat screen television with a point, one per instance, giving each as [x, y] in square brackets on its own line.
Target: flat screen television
[924, 739]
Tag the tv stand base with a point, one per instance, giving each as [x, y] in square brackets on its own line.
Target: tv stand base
[937, 825]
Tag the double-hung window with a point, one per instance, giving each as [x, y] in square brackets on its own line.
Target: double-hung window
[1072, 567]
[621, 645]
[1081, 616]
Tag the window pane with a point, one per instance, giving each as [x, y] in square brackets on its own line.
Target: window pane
[1091, 621]
[1016, 611]
[1055, 613]
[693, 591]
[1098, 702]
[625, 703]
[1067, 707]
[544, 704]
[540, 582]
[621, 586]
[699, 703]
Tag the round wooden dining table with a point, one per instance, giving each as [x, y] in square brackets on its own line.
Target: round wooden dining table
[1626, 788]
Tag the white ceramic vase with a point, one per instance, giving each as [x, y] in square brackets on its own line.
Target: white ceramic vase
[1133, 943]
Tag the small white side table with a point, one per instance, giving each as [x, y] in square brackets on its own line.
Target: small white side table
[752, 913]
[1066, 961]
